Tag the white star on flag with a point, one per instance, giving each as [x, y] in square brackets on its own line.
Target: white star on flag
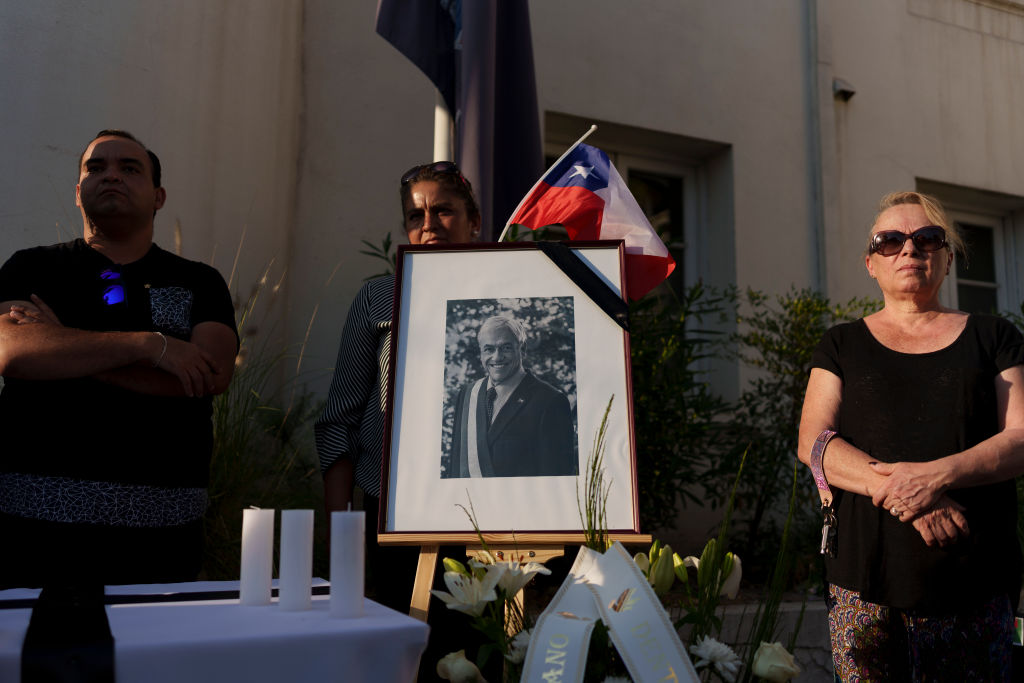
[581, 170]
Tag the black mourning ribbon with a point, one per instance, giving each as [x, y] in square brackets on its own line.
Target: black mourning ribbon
[68, 638]
[587, 280]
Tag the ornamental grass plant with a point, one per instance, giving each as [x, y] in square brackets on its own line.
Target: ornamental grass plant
[263, 452]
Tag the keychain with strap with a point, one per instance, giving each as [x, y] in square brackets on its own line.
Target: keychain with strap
[829, 527]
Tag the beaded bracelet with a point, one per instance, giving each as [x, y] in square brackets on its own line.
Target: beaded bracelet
[829, 527]
[817, 451]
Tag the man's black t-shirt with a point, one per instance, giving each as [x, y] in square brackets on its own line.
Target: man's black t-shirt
[85, 430]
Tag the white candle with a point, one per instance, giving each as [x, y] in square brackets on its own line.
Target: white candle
[257, 556]
[296, 561]
[348, 549]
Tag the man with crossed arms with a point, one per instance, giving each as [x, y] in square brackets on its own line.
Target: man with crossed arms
[110, 349]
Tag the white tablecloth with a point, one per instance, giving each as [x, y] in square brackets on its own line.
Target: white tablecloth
[221, 641]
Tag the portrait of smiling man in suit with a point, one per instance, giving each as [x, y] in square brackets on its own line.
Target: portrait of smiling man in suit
[509, 423]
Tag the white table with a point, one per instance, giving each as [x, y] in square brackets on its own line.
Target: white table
[222, 641]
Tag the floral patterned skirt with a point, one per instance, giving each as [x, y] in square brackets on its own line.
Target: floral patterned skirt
[876, 643]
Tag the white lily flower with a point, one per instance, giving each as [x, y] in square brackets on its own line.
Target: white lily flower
[468, 593]
[514, 575]
[518, 574]
[709, 651]
[456, 668]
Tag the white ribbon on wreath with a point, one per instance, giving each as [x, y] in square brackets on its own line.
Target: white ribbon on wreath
[611, 588]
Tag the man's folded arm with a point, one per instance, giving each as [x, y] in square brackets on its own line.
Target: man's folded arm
[50, 351]
[47, 351]
[202, 367]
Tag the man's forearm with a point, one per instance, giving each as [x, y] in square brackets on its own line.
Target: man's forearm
[47, 352]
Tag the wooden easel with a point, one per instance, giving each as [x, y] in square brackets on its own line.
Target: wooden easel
[532, 548]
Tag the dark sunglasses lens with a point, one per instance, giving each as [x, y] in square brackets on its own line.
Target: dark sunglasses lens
[114, 294]
[888, 243]
[930, 239]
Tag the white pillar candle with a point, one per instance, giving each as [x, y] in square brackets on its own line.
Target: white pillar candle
[257, 556]
[348, 549]
[296, 561]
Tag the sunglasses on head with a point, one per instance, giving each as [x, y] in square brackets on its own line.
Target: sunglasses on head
[889, 242]
[447, 167]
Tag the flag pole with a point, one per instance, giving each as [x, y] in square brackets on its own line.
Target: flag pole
[442, 130]
[557, 161]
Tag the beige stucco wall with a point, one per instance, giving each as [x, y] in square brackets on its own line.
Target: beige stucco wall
[367, 117]
[212, 87]
[940, 91]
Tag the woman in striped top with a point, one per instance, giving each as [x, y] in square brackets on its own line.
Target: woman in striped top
[438, 207]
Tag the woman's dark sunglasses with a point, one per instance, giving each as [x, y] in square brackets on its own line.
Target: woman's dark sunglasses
[448, 167]
[889, 242]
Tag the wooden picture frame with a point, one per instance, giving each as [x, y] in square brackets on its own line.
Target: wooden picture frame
[575, 358]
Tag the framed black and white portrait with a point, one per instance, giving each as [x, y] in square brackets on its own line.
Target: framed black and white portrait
[502, 369]
[509, 388]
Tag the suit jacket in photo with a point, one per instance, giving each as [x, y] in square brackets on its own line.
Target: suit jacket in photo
[531, 436]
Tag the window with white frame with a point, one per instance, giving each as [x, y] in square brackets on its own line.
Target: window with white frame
[978, 274]
[985, 278]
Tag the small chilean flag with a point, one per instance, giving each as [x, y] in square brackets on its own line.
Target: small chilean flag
[585, 193]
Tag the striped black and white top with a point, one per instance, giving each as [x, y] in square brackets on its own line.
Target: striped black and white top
[353, 422]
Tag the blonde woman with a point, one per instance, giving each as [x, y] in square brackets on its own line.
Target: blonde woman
[913, 425]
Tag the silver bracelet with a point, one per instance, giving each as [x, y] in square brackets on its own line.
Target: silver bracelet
[162, 351]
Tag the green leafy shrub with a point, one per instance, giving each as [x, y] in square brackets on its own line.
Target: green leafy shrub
[776, 337]
[679, 420]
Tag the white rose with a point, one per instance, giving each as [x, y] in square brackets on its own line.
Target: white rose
[456, 668]
[774, 663]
